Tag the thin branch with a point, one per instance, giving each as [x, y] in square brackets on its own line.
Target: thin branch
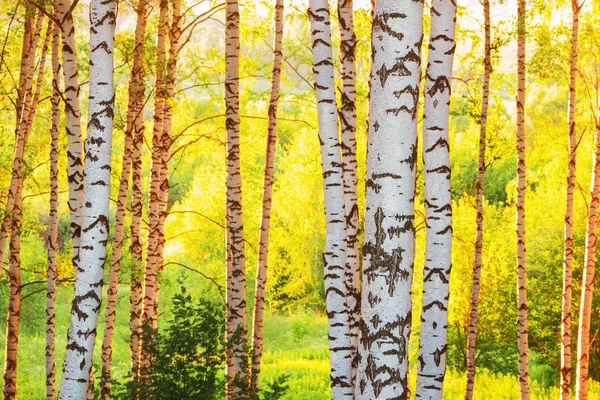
[219, 287]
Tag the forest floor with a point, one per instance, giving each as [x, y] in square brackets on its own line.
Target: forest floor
[295, 345]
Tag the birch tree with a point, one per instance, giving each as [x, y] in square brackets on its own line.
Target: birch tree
[476, 278]
[565, 344]
[587, 285]
[51, 243]
[389, 248]
[265, 220]
[438, 202]
[95, 222]
[347, 117]
[340, 350]
[236, 257]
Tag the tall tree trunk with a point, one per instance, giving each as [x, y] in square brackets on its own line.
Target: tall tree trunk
[31, 35]
[523, 343]
[52, 243]
[389, 247]
[476, 278]
[587, 286]
[95, 221]
[438, 202]
[565, 344]
[150, 280]
[136, 85]
[347, 116]
[340, 350]
[265, 220]
[14, 259]
[73, 124]
[236, 265]
[135, 128]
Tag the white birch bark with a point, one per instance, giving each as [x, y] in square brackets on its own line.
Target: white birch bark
[438, 202]
[95, 222]
[340, 350]
[389, 248]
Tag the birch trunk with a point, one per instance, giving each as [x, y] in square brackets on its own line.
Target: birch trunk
[150, 280]
[52, 243]
[476, 278]
[95, 221]
[523, 343]
[31, 35]
[347, 116]
[14, 260]
[135, 129]
[73, 124]
[567, 297]
[389, 247]
[438, 202]
[236, 331]
[265, 220]
[587, 286]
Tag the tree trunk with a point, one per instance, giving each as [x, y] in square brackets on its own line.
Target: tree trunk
[95, 219]
[14, 260]
[476, 278]
[340, 349]
[31, 35]
[389, 217]
[438, 202]
[136, 85]
[52, 243]
[565, 344]
[587, 286]
[265, 221]
[347, 114]
[150, 281]
[236, 265]
[73, 124]
[135, 129]
[523, 343]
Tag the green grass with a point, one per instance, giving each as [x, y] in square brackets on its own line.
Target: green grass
[295, 345]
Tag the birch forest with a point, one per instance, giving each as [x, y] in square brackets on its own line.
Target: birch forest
[299, 199]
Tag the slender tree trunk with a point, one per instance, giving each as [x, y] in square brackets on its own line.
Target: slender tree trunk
[340, 348]
[265, 221]
[347, 116]
[95, 222]
[587, 286]
[523, 343]
[150, 280]
[14, 260]
[135, 129]
[476, 278]
[438, 202]
[236, 331]
[565, 344]
[136, 85]
[52, 243]
[73, 124]
[389, 247]
[31, 35]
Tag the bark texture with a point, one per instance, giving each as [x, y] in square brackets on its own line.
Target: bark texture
[340, 350]
[567, 296]
[438, 202]
[236, 258]
[347, 117]
[523, 342]
[265, 220]
[95, 222]
[587, 286]
[389, 248]
[476, 278]
[52, 243]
